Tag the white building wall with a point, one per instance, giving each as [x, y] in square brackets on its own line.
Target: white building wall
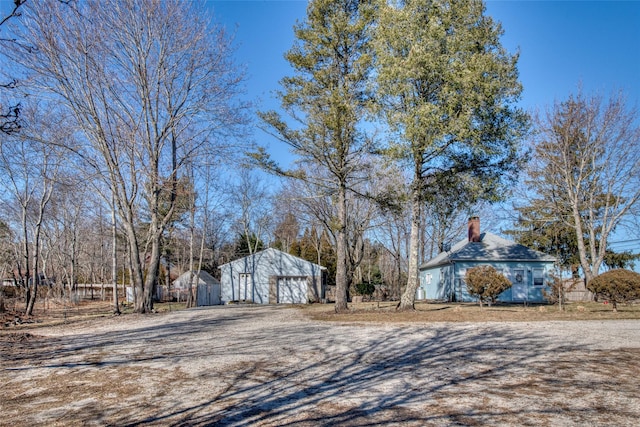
[260, 267]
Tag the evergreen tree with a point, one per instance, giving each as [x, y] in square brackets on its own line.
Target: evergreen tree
[620, 260]
[247, 245]
[328, 98]
[447, 90]
[539, 228]
[315, 246]
[286, 234]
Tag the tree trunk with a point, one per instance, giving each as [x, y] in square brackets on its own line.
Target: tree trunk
[152, 274]
[36, 265]
[192, 225]
[33, 293]
[407, 301]
[114, 257]
[135, 267]
[74, 260]
[202, 241]
[341, 252]
[44, 199]
[582, 251]
[25, 254]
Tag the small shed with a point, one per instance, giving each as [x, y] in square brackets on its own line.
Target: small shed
[442, 278]
[208, 287]
[272, 277]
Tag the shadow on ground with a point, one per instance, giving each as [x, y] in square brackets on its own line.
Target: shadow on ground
[238, 367]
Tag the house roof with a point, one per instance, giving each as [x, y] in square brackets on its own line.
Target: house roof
[270, 254]
[489, 248]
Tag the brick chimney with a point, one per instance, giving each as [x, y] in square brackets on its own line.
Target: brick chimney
[474, 229]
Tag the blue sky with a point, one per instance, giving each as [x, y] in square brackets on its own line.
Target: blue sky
[562, 44]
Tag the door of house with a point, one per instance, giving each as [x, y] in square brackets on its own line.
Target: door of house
[245, 287]
[519, 287]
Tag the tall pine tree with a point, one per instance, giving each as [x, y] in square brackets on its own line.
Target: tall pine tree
[447, 91]
[327, 99]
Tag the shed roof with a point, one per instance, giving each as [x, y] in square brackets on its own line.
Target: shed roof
[269, 255]
[205, 278]
[489, 248]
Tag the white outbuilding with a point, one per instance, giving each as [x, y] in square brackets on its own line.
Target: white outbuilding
[207, 285]
[272, 277]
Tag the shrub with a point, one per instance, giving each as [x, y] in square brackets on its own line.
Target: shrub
[486, 283]
[365, 288]
[9, 291]
[616, 286]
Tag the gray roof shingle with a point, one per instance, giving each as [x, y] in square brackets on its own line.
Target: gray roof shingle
[490, 248]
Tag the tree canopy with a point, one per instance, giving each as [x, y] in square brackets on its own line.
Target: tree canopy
[149, 85]
[448, 91]
[327, 99]
[585, 173]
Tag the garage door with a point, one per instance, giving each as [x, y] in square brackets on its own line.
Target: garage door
[292, 290]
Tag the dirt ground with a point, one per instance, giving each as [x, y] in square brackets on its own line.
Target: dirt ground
[279, 366]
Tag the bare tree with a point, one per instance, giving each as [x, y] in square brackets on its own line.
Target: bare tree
[255, 220]
[393, 229]
[287, 228]
[315, 205]
[151, 86]
[31, 163]
[114, 255]
[586, 170]
[64, 227]
[7, 262]
[9, 115]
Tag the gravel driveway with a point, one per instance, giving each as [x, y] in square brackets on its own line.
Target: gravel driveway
[270, 366]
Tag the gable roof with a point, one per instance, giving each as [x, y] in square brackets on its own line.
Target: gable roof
[489, 248]
[205, 278]
[270, 255]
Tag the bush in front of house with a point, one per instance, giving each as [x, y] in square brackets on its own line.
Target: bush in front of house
[616, 286]
[486, 283]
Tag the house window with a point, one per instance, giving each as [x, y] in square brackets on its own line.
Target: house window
[427, 279]
[538, 277]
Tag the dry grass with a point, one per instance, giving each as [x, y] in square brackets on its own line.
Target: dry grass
[462, 312]
[55, 312]
[58, 311]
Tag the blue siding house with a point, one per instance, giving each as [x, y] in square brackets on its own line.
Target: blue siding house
[442, 278]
